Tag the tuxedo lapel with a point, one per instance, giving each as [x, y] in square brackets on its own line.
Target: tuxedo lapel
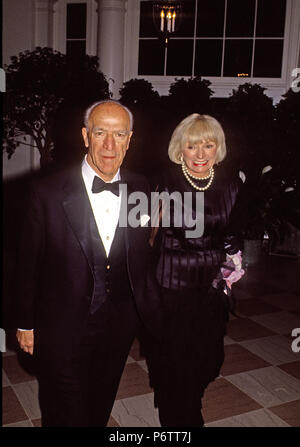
[80, 215]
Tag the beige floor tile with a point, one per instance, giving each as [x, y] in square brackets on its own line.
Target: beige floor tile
[286, 301]
[275, 349]
[5, 380]
[223, 400]
[246, 329]
[255, 286]
[26, 423]
[238, 359]
[37, 422]
[255, 306]
[15, 371]
[27, 393]
[228, 340]
[241, 294]
[268, 386]
[112, 422]
[12, 410]
[134, 381]
[137, 411]
[258, 418]
[290, 412]
[280, 322]
[130, 360]
[143, 365]
[135, 351]
[292, 368]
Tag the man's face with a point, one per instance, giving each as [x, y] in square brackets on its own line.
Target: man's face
[107, 139]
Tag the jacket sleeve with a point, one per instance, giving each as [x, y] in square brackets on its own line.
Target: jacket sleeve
[29, 261]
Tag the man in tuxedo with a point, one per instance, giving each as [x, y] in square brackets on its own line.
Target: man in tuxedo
[81, 277]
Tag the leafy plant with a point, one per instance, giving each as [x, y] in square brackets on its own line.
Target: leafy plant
[286, 141]
[251, 105]
[266, 212]
[249, 121]
[190, 96]
[38, 82]
[138, 92]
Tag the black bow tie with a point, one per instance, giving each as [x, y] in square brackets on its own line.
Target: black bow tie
[99, 185]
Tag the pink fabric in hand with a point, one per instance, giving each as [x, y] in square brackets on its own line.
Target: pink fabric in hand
[231, 276]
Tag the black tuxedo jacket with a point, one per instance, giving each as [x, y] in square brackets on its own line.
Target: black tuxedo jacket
[54, 279]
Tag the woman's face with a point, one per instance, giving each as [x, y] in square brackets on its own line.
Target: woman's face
[199, 157]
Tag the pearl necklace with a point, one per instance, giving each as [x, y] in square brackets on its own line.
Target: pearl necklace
[188, 177]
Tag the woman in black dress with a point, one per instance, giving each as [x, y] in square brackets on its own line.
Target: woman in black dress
[190, 274]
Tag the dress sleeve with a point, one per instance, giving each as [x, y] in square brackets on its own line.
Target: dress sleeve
[231, 270]
[233, 232]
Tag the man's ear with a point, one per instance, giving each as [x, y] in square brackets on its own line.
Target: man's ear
[129, 138]
[85, 136]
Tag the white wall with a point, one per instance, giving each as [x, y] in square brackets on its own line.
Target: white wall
[17, 27]
[18, 35]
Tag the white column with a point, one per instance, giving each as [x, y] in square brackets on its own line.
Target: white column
[43, 20]
[111, 42]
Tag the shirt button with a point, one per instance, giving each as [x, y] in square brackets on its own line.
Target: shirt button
[107, 238]
[107, 211]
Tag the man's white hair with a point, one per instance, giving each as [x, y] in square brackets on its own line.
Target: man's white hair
[90, 109]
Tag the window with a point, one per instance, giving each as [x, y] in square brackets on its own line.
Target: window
[217, 38]
[76, 30]
[75, 24]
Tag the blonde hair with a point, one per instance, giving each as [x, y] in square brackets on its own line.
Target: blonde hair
[195, 128]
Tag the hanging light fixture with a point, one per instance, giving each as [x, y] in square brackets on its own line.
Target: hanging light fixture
[166, 17]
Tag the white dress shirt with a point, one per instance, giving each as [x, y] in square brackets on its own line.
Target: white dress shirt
[105, 206]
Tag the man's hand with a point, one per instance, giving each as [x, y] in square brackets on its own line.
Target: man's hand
[26, 340]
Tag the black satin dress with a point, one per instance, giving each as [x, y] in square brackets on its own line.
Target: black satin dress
[192, 351]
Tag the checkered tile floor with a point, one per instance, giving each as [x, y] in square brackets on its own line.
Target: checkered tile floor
[259, 385]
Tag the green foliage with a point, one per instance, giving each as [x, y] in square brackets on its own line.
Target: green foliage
[38, 82]
[288, 113]
[271, 204]
[262, 134]
[249, 126]
[251, 106]
[285, 147]
[190, 96]
[146, 145]
[139, 92]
